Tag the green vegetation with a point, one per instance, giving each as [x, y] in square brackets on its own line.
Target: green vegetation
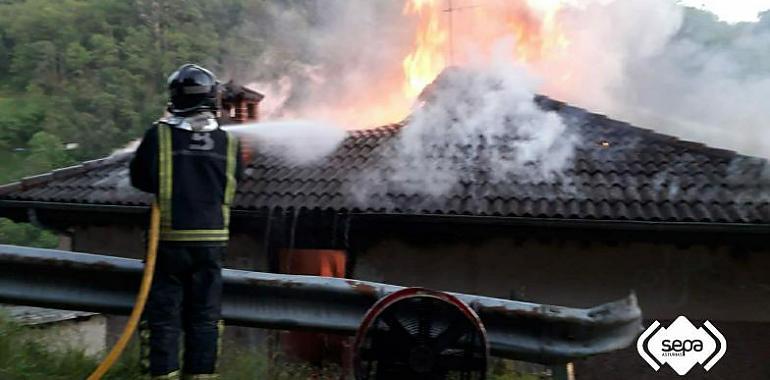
[90, 75]
[92, 72]
[26, 234]
[22, 357]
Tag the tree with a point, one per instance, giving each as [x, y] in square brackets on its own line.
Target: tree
[76, 59]
[93, 72]
[5, 58]
[20, 118]
[46, 152]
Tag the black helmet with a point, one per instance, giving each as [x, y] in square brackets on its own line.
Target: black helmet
[192, 89]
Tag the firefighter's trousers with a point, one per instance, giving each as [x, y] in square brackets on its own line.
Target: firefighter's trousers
[186, 296]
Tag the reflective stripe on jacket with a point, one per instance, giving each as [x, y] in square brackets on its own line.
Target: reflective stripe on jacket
[194, 175]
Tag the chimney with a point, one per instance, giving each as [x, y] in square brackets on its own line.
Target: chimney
[239, 104]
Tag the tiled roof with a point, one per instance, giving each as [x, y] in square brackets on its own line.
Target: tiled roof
[620, 172]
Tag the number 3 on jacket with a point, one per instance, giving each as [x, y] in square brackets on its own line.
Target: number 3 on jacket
[201, 141]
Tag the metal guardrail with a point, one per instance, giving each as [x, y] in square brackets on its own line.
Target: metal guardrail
[519, 330]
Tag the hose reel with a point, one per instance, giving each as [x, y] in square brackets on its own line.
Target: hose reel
[421, 334]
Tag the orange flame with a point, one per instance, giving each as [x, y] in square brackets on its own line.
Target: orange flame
[478, 27]
[427, 60]
[537, 29]
[448, 32]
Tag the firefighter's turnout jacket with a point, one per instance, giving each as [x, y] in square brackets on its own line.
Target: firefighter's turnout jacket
[192, 166]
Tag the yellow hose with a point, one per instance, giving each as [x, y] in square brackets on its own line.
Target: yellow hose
[141, 299]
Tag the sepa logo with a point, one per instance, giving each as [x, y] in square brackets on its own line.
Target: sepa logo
[681, 345]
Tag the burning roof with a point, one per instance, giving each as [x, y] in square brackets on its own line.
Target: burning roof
[619, 173]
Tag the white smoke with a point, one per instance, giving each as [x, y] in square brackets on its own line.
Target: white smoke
[325, 59]
[648, 62]
[277, 93]
[706, 92]
[478, 121]
[679, 72]
[297, 142]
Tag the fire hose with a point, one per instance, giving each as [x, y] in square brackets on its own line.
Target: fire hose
[141, 299]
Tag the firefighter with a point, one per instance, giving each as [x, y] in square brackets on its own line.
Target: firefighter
[192, 166]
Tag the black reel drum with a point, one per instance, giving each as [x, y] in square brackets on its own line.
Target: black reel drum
[421, 334]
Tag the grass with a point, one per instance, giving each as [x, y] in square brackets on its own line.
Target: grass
[24, 358]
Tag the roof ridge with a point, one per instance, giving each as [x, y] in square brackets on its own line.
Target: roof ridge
[556, 105]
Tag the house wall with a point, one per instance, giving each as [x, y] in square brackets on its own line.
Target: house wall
[83, 334]
[701, 282]
[732, 290]
[245, 251]
[109, 240]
